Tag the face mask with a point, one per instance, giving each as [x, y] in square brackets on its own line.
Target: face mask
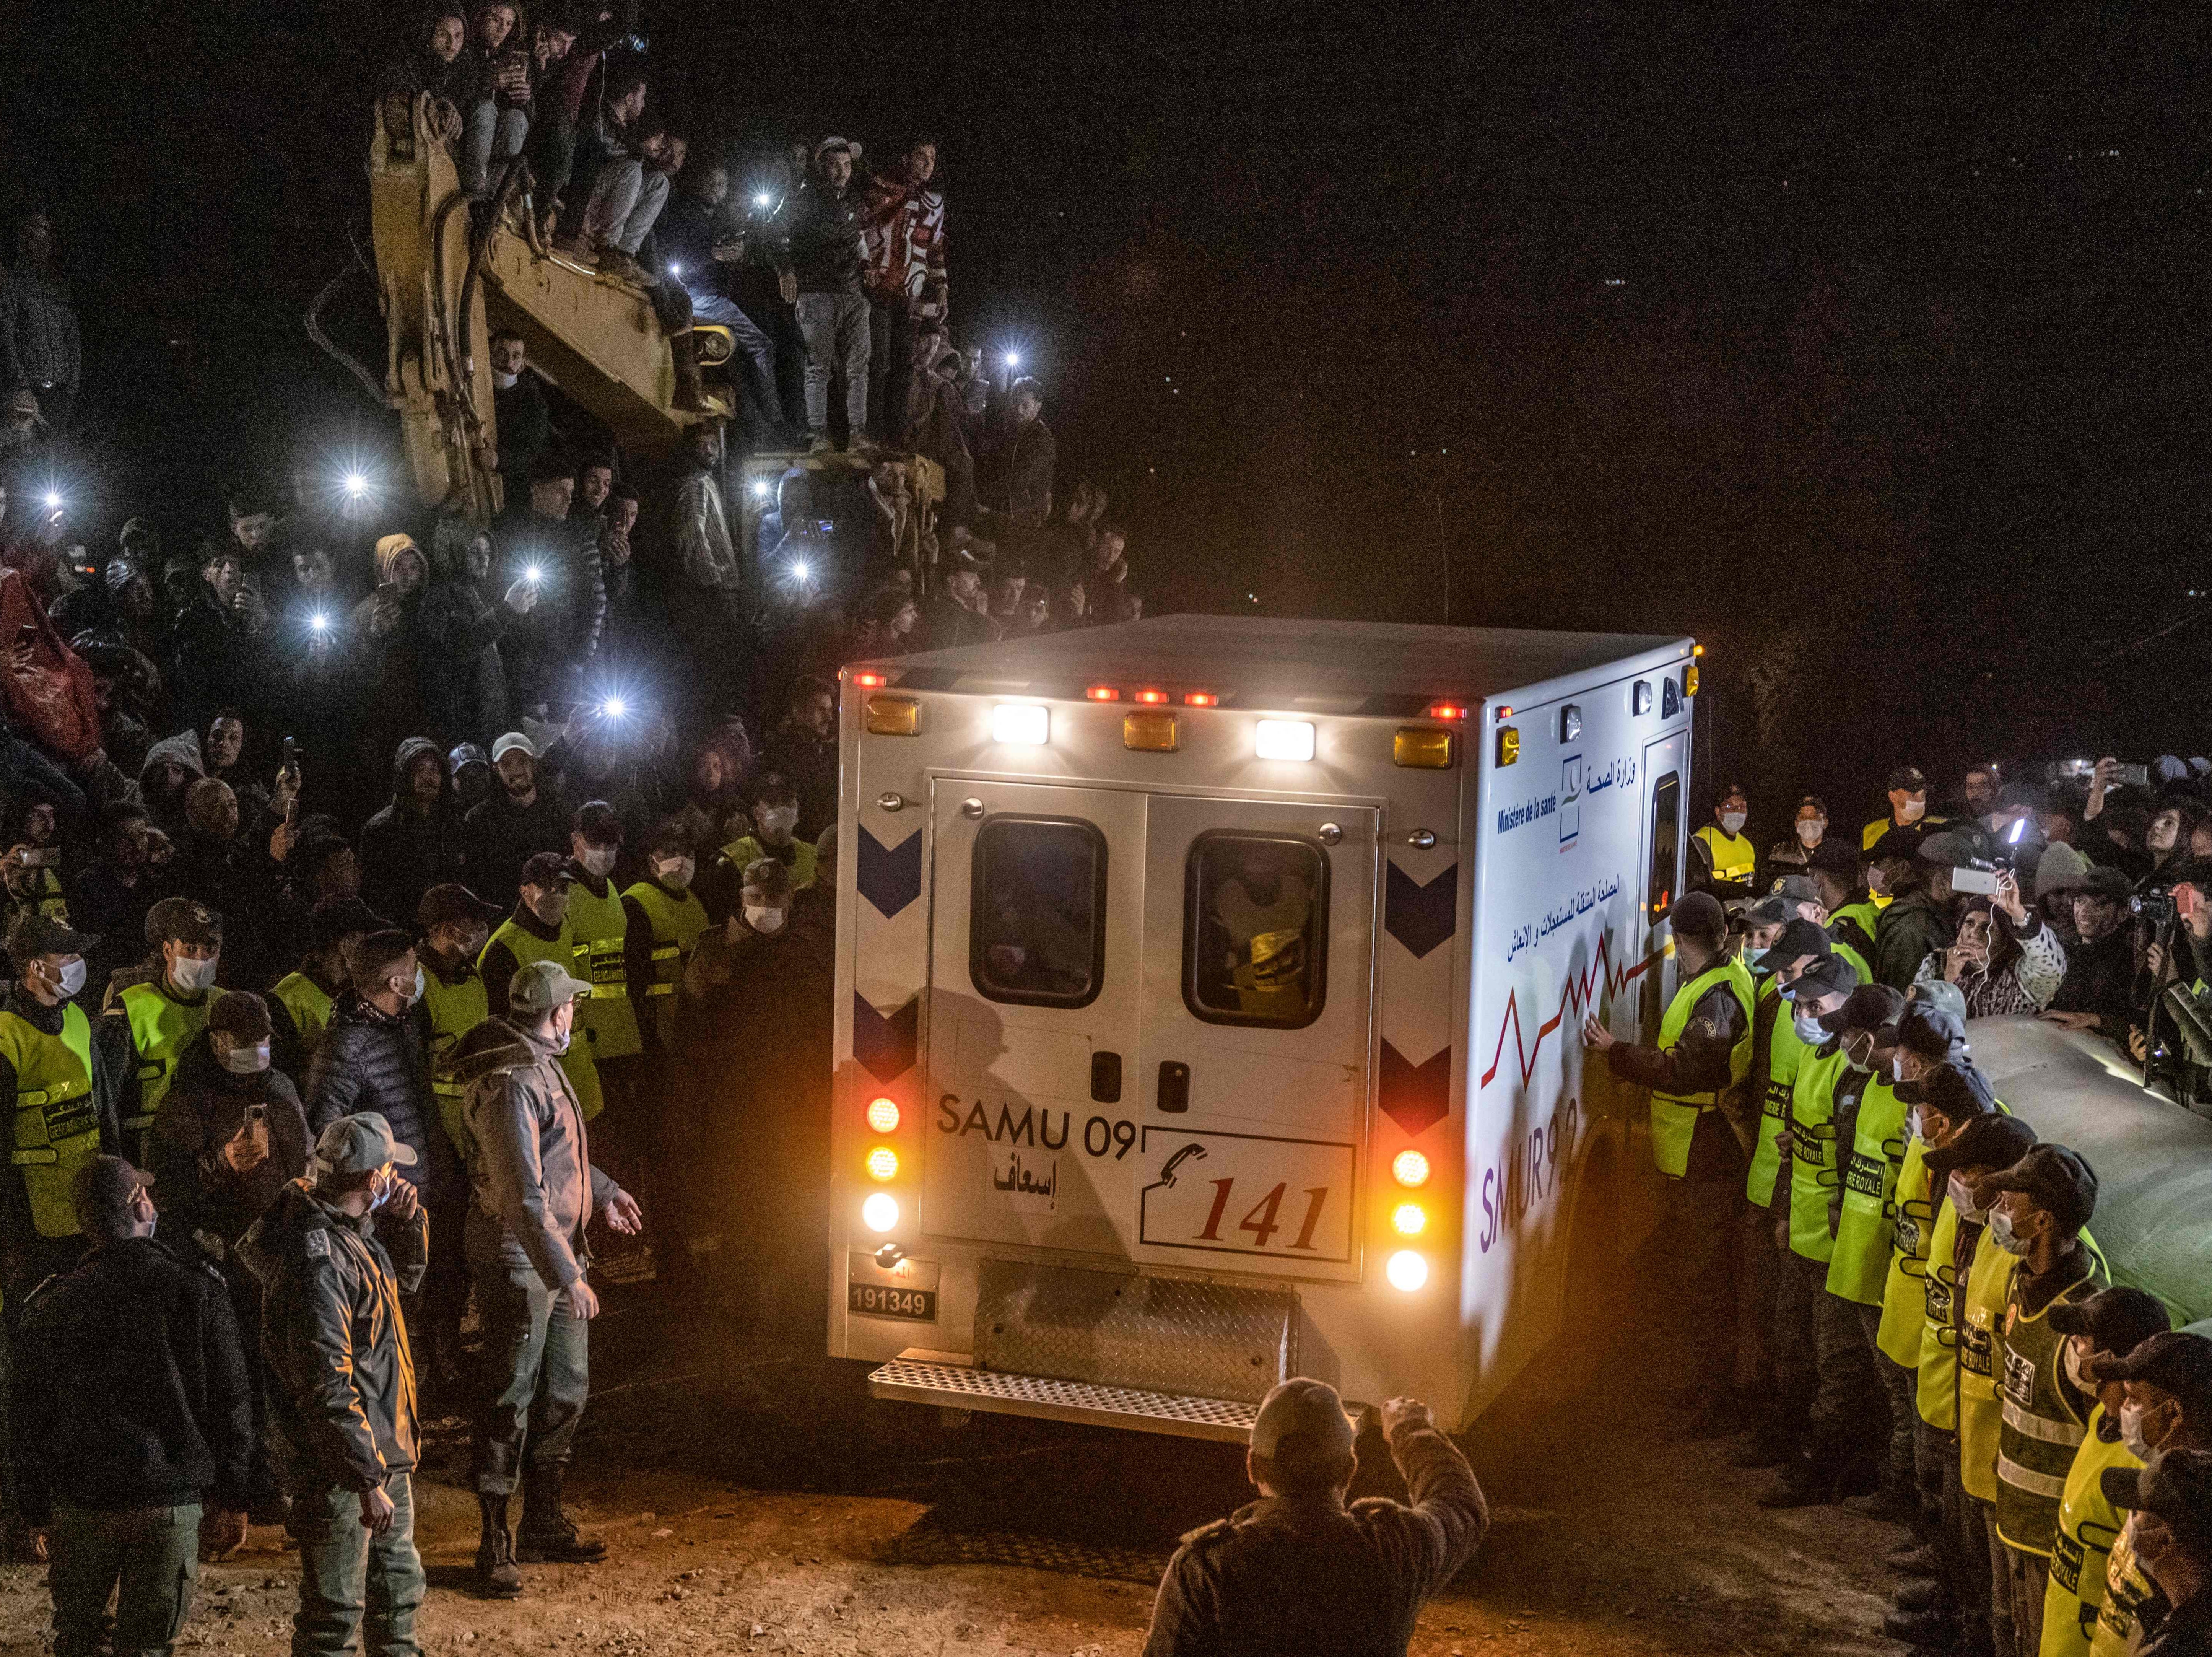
[767, 921]
[2073, 1362]
[674, 873]
[504, 381]
[1808, 1028]
[191, 976]
[1731, 822]
[1860, 1059]
[246, 1061]
[1963, 1201]
[2131, 1431]
[2003, 1235]
[1896, 1069]
[562, 1038]
[1913, 1127]
[1756, 960]
[597, 861]
[1811, 829]
[1911, 811]
[421, 984]
[72, 977]
[778, 822]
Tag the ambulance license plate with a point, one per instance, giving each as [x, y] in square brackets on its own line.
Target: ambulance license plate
[885, 1300]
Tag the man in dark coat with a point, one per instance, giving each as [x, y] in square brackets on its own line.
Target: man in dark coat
[414, 842]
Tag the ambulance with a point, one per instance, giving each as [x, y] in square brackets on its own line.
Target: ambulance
[1209, 992]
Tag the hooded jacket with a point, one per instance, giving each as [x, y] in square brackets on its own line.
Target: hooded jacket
[372, 1061]
[203, 1200]
[464, 674]
[342, 1380]
[183, 748]
[132, 1389]
[532, 1182]
[405, 851]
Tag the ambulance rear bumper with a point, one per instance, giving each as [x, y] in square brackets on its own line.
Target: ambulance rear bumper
[955, 1386]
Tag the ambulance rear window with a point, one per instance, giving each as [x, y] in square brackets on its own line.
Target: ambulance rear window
[1036, 935]
[1665, 831]
[1255, 930]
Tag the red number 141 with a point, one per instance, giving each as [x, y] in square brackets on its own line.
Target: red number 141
[1261, 1221]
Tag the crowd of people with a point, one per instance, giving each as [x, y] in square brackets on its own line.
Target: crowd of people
[1890, 1288]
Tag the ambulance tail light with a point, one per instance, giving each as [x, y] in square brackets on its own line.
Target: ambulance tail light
[882, 1164]
[1410, 1169]
[882, 1115]
[1284, 738]
[1407, 1270]
[1152, 698]
[893, 715]
[1021, 724]
[1409, 1219]
[1446, 710]
[1150, 733]
[1101, 693]
[1200, 699]
[871, 681]
[880, 1213]
[1423, 747]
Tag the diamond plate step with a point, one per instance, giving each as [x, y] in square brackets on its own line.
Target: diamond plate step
[952, 1387]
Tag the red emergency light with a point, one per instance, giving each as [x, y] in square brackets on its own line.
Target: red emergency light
[868, 681]
[1152, 698]
[1103, 694]
[1201, 699]
[1448, 711]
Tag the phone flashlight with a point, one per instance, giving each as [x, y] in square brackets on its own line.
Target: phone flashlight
[613, 707]
[799, 572]
[675, 270]
[53, 501]
[355, 485]
[2018, 829]
[762, 200]
[319, 621]
[533, 574]
[1013, 359]
[760, 488]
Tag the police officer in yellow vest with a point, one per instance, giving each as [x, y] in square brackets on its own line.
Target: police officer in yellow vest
[1778, 955]
[2038, 1207]
[1703, 1051]
[300, 1002]
[64, 1112]
[1723, 859]
[2168, 1502]
[1908, 807]
[454, 925]
[2166, 1409]
[598, 930]
[666, 918]
[1852, 913]
[151, 1022]
[1821, 1327]
[776, 821]
[539, 931]
[2108, 1326]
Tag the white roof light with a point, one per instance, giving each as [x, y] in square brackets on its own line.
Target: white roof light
[1285, 739]
[1028, 723]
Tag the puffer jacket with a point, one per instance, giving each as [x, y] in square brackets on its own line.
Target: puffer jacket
[370, 1060]
[533, 1185]
[405, 851]
[342, 1380]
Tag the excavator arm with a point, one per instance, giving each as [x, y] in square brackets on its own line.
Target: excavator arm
[444, 287]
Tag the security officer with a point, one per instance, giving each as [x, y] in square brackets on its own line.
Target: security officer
[2169, 1503]
[2112, 1324]
[533, 1191]
[300, 1002]
[1778, 956]
[606, 1019]
[133, 1401]
[455, 925]
[333, 1254]
[148, 1025]
[1853, 914]
[64, 1109]
[776, 821]
[2166, 1387]
[1724, 861]
[1703, 1051]
[666, 918]
[1908, 807]
[539, 931]
[1299, 1570]
[1844, 1394]
[2039, 1206]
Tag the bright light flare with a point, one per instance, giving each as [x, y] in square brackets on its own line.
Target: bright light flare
[1013, 359]
[882, 1164]
[534, 573]
[880, 1213]
[801, 571]
[1410, 1169]
[1407, 1270]
[54, 500]
[763, 200]
[1026, 723]
[614, 707]
[319, 622]
[1409, 1219]
[675, 270]
[882, 1115]
[1285, 739]
[760, 488]
[355, 485]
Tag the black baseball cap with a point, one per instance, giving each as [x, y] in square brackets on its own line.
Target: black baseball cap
[2058, 1179]
[1909, 779]
[1953, 849]
[450, 901]
[2175, 1485]
[1829, 975]
[1989, 1140]
[1900, 844]
[344, 917]
[2116, 1320]
[1800, 938]
[549, 870]
[1930, 1032]
[2103, 880]
[2179, 1362]
[34, 934]
[1869, 1006]
[185, 920]
[1955, 1087]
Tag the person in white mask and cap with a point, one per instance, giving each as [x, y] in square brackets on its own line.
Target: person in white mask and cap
[1299, 1570]
[158, 1010]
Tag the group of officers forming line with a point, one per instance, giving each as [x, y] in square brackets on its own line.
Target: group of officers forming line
[257, 1359]
[1895, 1289]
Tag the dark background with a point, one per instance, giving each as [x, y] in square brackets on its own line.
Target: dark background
[1863, 342]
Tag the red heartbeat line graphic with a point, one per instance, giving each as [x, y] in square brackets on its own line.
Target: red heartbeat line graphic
[1577, 998]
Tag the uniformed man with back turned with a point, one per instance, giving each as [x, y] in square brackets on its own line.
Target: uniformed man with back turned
[1300, 1571]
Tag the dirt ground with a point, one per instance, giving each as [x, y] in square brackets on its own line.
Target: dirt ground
[755, 1499]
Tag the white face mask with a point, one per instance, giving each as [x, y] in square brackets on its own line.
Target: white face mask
[2003, 1235]
[2131, 1431]
[244, 1060]
[2072, 1358]
[597, 860]
[765, 919]
[1914, 1128]
[1810, 829]
[777, 822]
[72, 979]
[1911, 811]
[1896, 1069]
[674, 873]
[1731, 822]
[561, 1037]
[1962, 1199]
[192, 977]
[414, 993]
[504, 381]
[1808, 1028]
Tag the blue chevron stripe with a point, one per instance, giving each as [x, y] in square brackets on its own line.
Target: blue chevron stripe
[889, 877]
[1421, 916]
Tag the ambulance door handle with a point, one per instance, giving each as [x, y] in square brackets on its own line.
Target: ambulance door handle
[1421, 839]
[1328, 834]
[1174, 1087]
[1106, 1078]
[972, 810]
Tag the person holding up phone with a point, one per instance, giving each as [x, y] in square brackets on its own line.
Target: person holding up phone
[2006, 959]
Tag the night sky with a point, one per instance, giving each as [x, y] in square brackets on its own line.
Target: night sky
[1865, 342]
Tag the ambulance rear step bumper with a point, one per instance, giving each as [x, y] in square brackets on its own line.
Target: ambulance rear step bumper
[955, 1386]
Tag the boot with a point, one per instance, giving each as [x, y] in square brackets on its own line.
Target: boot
[1806, 1480]
[1927, 1630]
[1916, 1559]
[1920, 1595]
[548, 1533]
[1892, 1505]
[690, 396]
[496, 1577]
